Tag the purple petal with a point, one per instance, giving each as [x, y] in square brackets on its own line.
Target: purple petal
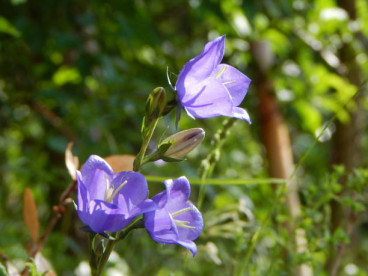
[161, 199]
[146, 206]
[194, 218]
[94, 174]
[189, 245]
[200, 67]
[160, 226]
[82, 200]
[178, 193]
[105, 216]
[133, 192]
[235, 81]
[212, 100]
[240, 113]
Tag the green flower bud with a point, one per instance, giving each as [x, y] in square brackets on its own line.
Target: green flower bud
[156, 103]
[182, 142]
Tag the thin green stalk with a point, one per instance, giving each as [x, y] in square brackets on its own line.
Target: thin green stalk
[283, 189]
[105, 257]
[98, 262]
[208, 164]
[146, 140]
[93, 261]
[219, 181]
[256, 235]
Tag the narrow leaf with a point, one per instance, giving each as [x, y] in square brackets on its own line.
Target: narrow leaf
[71, 161]
[30, 215]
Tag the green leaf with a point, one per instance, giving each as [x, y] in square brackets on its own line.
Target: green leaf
[18, 2]
[8, 28]
[66, 75]
[311, 117]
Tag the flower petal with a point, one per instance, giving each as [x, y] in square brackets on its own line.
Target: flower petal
[240, 113]
[211, 100]
[105, 216]
[200, 67]
[161, 199]
[189, 245]
[235, 81]
[82, 199]
[145, 206]
[160, 226]
[178, 193]
[194, 218]
[133, 192]
[94, 173]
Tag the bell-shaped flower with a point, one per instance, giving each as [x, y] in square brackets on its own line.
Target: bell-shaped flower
[175, 220]
[207, 88]
[108, 201]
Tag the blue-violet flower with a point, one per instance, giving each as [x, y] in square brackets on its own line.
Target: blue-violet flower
[207, 88]
[108, 201]
[175, 220]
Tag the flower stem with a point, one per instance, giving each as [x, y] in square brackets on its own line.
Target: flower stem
[208, 164]
[98, 259]
[147, 136]
[104, 258]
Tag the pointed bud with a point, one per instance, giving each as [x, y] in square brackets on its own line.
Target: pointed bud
[182, 142]
[156, 103]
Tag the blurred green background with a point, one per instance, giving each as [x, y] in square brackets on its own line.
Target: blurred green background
[81, 71]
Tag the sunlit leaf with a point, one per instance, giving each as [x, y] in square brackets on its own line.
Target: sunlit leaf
[71, 161]
[8, 28]
[311, 117]
[66, 75]
[30, 215]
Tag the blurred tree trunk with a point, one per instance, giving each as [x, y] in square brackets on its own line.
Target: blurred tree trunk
[276, 140]
[347, 146]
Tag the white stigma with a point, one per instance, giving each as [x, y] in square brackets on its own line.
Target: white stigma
[221, 72]
[182, 223]
[109, 192]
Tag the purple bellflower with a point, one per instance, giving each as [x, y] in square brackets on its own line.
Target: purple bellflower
[207, 88]
[175, 220]
[108, 201]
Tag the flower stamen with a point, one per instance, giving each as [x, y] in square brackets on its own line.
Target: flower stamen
[109, 192]
[182, 211]
[118, 189]
[229, 82]
[183, 224]
[221, 72]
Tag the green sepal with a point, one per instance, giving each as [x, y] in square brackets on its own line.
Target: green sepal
[170, 159]
[163, 147]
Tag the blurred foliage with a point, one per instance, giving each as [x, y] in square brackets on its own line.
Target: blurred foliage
[81, 71]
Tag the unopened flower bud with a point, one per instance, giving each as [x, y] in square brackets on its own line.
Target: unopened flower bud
[183, 142]
[156, 103]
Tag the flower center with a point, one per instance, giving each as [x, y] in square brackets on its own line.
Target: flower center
[182, 223]
[221, 72]
[109, 192]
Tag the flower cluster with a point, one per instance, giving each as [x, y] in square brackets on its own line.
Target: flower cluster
[109, 202]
